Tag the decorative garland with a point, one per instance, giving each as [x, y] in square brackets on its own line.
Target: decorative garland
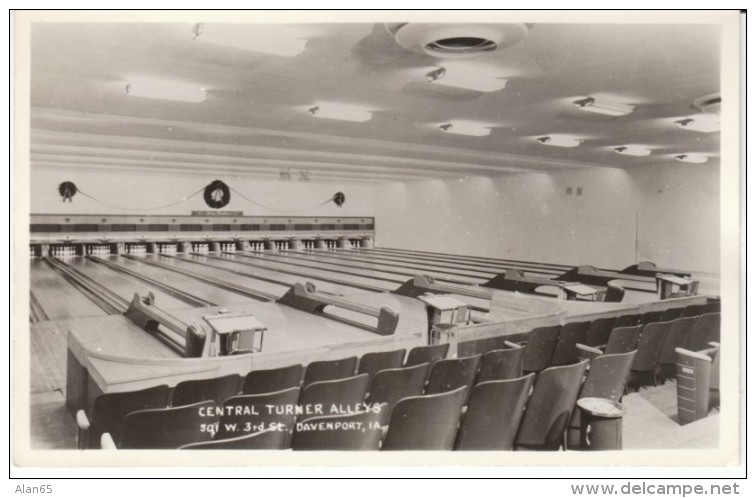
[339, 198]
[67, 190]
[217, 194]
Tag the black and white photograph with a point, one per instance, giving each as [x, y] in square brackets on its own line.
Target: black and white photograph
[472, 238]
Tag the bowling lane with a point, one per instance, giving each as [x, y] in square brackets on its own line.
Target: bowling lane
[560, 268]
[207, 270]
[309, 269]
[464, 263]
[228, 262]
[59, 299]
[200, 289]
[123, 285]
[365, 266]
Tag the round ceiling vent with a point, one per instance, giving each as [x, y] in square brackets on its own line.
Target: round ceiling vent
[709, 103]
[456, 41]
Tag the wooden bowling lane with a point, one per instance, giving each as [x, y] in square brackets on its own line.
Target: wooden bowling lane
[320, 259]
[395, 274]
[227, 261]
[496, 262]
[277, 262]
[58, 298]
[459, 267]
[123, 285]
[201, 289]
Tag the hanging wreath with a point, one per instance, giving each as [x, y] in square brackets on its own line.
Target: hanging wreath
[339, 198]
[217, 194]
[67, 190]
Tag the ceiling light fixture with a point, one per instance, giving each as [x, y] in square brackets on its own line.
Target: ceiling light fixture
[460, 78]
[692, 158]
[469, 128]
[705, 123]
[609, 108]
[165, 90]
[264, 38]
[340, 112]
[632, 150]
[559, 141]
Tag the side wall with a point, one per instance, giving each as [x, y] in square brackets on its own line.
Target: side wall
[669, 216]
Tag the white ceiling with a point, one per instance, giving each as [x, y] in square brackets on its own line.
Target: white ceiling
[254, 120]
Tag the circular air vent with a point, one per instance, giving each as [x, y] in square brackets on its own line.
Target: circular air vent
[457, 40]
[709, 103]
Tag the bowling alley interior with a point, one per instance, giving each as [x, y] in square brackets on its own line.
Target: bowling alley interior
[498, 236]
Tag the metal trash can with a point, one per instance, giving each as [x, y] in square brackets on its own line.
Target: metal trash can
[600, 424]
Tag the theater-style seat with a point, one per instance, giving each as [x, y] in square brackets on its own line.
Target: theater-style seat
[493, 415]
[329, 370]
[677, 337]
[606, 379]
[217, 389]
[628, 320]
[427, 354]
[705, 330]
[670, 314]
[355, 432]
[598, 332]
[650, 317]
[451, 374]
[333, 395]
[550, 407]
[425, 422]
[570, 334]
[257, 412]
[262, 440]
[372, 363]
[389, 386]
[501, 364]
[649, 348]
[109, 410]
[166, 428]
[480, 346]
[539, 349]
[272, 380]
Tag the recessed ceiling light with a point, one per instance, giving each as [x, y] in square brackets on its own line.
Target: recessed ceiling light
[603, 106]
[459, 78]
[470, 128]
[703, 123]
[632, 150]
[264, 38]
[692, 158]
[557, 141]
[340, 112]
[153, 88]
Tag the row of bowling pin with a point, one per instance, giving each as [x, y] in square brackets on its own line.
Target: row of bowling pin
[257, 246]
[227, 246]
[167, 248]
[98, 250]
[62, 251]
[281, 246]
[201, 247]
[136, 249]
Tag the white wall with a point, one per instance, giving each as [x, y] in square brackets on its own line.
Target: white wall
[141, 191]
[519, 216]
[530, 216]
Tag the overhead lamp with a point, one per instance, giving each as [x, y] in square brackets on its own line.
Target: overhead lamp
[165, 90]
[470, 128]
[705, 123]
[559, 141]
[692, 158]
[264, 38]
[466, 80]
[340, 112]
[632, 150]
[591, 104]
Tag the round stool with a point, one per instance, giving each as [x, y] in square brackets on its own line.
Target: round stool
[600, 424]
